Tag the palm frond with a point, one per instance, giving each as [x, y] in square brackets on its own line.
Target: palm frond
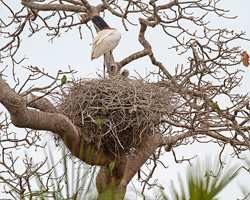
[204, 181]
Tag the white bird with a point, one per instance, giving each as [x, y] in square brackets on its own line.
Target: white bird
[106, 40]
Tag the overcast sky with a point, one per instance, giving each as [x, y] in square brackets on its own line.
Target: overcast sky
[70, 50]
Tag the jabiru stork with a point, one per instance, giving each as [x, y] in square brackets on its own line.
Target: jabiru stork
[106, 40]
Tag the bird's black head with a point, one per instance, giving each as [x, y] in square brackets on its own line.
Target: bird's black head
[100, 23]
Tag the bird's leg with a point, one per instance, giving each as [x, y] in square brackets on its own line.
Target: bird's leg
[107, 63]
[104, 66]
[110, 59]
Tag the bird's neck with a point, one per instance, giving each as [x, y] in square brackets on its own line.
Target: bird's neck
[106, 28]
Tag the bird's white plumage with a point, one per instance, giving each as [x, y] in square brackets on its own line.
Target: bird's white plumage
[104, 42]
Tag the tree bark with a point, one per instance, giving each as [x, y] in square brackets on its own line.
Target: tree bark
[23, 117]
[125, 171]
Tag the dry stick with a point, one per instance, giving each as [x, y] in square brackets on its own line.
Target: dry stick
[55, 7]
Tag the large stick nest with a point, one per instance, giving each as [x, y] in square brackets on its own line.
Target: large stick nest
[126, 110]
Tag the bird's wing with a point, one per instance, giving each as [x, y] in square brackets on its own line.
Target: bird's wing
[107, 35]
[105, 41]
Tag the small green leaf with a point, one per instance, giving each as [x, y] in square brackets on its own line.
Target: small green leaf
[111, 166]
[63, 80]
[214, 105]
[98, 123]
[106, 111]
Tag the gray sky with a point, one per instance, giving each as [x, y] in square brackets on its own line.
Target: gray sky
[69, 50]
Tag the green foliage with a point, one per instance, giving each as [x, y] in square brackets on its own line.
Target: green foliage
[110, 194]
[98, 123]
[203, 181]
[111, 167]
[245, 189]
[68, 179]
[72, 180]
[63, 80]
[106, 111]
[214, 105]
